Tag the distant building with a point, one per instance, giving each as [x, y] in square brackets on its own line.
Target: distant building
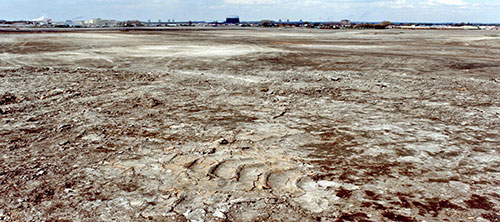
[345, 22]
[43, 21]
[97, 22]
[233, 20]
[78, 23]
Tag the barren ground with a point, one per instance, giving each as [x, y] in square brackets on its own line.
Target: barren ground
[246, 125]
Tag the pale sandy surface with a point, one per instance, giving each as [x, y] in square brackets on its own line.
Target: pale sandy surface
[250, 125]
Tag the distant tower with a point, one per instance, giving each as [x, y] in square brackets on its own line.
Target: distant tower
[233, 19]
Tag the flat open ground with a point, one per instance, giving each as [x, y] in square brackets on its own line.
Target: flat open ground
[246, 125]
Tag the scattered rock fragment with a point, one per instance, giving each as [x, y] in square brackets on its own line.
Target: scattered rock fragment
[64, 127]
[223, 141]
[264, 89]
[209, 151]
[196, 215]
[55, 92]
[219, 214]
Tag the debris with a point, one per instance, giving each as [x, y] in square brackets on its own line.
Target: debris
[335, 79]
[280, 115]
[381, 85]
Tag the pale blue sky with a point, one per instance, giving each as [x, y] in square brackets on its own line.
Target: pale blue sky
[311, 10]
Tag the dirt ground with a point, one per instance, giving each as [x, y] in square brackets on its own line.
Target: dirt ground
[250, 125]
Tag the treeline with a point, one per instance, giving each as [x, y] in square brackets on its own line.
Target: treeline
[382, 25]
[325, 25]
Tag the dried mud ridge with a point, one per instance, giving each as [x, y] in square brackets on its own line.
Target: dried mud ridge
[249, 137]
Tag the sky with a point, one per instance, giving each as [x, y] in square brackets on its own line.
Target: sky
[484, 11]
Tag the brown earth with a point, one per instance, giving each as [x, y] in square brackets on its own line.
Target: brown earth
[250, 125]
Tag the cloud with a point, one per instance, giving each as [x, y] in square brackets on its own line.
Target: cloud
[447, 2]
[396, 4]
[252, 2]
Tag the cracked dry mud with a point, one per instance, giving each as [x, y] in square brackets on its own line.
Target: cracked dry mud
[250, 125]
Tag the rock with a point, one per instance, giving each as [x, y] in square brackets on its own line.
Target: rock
[263, 89]
[196, 215]
[381, 85]
[410, 159]
[335, 79]
[223, 141]
[31, 119]
[136, 202]
[64, 142]
[328, 184]
[55, 92]
[64, 127]
[209, 151]
[40, 173]
[219, 214]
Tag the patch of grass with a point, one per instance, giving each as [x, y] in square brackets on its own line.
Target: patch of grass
[495, 36]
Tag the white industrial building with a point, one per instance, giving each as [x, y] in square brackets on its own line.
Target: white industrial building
[97, 22]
